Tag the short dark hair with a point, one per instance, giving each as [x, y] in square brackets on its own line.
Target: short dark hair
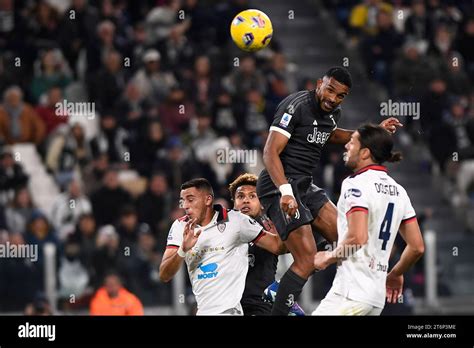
[243, 179]
[340, 74]
[380, 143]
[200, 184]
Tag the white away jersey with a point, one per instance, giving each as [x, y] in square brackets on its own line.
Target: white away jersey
[218, 263]
[361, 277]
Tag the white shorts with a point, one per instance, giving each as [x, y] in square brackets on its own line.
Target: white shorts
[234, 311]
[334, 304]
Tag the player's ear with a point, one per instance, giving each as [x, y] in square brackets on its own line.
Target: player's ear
[365, 153]
[209, 200]
[319, 83]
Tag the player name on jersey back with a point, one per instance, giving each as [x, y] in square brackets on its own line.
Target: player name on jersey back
[361, 277]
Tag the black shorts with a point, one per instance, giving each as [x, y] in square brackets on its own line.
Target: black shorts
[310, 200]
[257, 309]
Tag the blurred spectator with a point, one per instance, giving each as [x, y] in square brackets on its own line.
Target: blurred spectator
[20, 211]
[463, 136]
[203, 136]
[162, 21]
[40, 232]
[21, 278]
[380, 49]
[412, 71]
[107, 86]
[154, 84]
[114, 299]
[72, 274]
[77, 30]
[131, 109]
[363, 17]
[177, 163]
[146, 151]
[258, 115]
[155, 204]
[67, 151]
[202, 86]
[107, 254]
[128, 227]
[177, 53]
[115, 12]
[85, 234]
[138, 45]
[47, 112]
[176, 112]
[109, 199]
[39, 306]
[244, 78]
[105, 42]
[457, 78]
[440, 48]
[93, 173]
[440, 138]
[45, 25]
[67, 208]
[52, 72]
[223, 114]
[143, 265]
[12, 176]
[19, 123]
[282, 78]
[111, 140]
[418, 26]
[13, 26]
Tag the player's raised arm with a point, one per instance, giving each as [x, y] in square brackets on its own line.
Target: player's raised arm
[343, 136]
[340, 136]
[410, 232]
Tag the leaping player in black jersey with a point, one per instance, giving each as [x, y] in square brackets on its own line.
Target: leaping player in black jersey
[303, 123]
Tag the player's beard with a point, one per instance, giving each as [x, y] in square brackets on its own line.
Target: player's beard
[350, 161]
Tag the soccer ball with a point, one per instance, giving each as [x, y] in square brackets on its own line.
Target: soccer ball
[251, 30]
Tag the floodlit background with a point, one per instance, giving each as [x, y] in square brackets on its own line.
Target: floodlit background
[152, 90]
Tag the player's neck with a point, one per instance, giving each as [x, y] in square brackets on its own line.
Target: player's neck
[364, 164]
[209, 215]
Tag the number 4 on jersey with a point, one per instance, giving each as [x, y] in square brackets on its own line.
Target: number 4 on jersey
[386, 224]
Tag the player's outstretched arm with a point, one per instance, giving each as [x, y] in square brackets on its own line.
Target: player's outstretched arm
[276, 142]
[173, 258]
[343, 136]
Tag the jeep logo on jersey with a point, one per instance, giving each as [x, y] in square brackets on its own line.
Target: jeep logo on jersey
[208, 270]
[318, 137]
[352, 192]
